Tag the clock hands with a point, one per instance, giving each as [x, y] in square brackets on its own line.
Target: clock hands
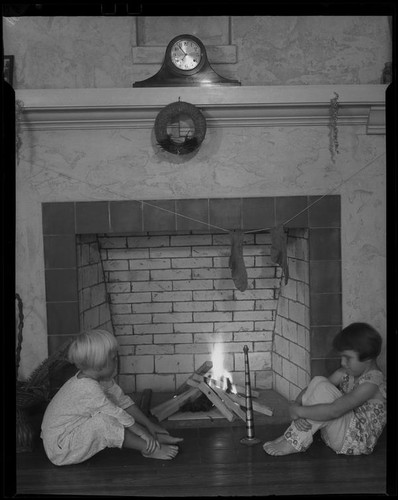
[182, 50]
[186, 53]
[191, 55]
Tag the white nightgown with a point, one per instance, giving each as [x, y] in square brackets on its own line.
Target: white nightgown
[83, 418]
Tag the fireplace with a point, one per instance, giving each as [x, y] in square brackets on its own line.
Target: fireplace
[162, 284]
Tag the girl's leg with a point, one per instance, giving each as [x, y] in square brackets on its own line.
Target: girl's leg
[320, 390]
[99, 432]
[164, 452]
[96, 433]
[332, 431]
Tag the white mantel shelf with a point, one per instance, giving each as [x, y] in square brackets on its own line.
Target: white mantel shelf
[251, 106]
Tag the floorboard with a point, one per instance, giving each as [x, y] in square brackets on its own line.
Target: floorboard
[211, 462]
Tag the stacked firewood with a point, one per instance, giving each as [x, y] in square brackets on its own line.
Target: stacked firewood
[219, 392]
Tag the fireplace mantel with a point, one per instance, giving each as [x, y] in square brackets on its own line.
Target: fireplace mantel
[252, 106]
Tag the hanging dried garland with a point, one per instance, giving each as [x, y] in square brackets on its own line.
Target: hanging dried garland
[333, 131]
[19, 109]
[170, 114]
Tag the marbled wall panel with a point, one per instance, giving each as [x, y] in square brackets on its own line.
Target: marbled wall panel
[71, 52]
[247, 162]
[309, 50]
[79, 52]
[159, 30]
[364, 265]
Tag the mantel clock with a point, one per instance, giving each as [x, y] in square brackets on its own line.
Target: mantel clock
[185, 64]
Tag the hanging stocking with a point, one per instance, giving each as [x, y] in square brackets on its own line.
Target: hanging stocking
[236, 262]
[279, 250]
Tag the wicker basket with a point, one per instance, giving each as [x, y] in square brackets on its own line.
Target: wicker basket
[28, 398]
[25, 434]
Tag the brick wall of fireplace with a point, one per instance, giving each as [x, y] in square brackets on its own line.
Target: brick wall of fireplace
[169, 297]
[172, 299]
[94, 310]
[291, 358]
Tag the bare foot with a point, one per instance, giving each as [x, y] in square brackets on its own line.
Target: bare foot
[277, 440]
[164, 452]
[279, 446]
[167, 439]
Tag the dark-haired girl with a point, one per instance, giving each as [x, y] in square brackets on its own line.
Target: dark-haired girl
[349, 407]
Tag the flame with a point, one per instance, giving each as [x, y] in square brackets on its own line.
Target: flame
[219, 373]
[218, 362]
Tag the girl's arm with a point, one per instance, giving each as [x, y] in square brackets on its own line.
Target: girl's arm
[94, 400]
[142, 419]
[335, 379]
[115, 393]
[342, 405]
[151, 442]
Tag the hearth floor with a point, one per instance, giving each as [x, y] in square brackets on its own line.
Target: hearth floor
[212, 461]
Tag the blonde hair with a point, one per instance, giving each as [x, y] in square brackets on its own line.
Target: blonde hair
[91, 349]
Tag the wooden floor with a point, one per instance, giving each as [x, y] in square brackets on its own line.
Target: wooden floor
[211, 462]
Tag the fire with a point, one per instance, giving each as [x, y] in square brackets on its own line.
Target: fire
[219, 373]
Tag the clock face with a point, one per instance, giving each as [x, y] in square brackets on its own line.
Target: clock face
[185, 54]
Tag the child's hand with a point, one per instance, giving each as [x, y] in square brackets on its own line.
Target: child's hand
[156, 429]
[151, 442]
[302, 424]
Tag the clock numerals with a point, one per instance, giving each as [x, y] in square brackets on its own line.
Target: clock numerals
[186, 55]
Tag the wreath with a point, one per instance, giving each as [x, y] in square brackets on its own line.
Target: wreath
[170, 113]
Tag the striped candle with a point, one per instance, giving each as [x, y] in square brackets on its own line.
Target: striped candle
[249, 439]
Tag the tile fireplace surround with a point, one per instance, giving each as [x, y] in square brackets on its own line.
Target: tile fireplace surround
[64, 223]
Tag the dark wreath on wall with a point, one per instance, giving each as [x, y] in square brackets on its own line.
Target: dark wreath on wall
[174, 112]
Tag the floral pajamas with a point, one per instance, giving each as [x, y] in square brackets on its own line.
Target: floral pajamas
[355, 432]
[83, 418]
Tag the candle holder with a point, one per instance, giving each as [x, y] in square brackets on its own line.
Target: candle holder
[249, 440]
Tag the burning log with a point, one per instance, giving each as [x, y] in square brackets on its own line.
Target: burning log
[171, 406]
[208, 391]
[220, 384]
[202, 370]
[200, 404]
[236, 398]
[241, 390]
[229, 403]
[183, 394]
[259, 407]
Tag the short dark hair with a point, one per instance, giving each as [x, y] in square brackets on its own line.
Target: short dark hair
[361, 338]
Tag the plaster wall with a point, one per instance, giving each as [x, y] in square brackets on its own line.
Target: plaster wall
[232, 162]
[108, 52]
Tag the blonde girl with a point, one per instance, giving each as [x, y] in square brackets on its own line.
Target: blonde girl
[90, 411]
